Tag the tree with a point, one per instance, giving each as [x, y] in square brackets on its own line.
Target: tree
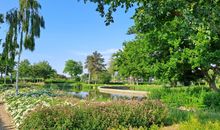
[95, 64]
[73, 68]
[8, 54]
[25, 68]
[112, 68]
[26, 22]
[6, 66]
[104, 77]
[183, 36]
[2, 66]
[42, 70]
[1, 21]
[132, 62]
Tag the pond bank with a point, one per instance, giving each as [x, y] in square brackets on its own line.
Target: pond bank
[123, 92]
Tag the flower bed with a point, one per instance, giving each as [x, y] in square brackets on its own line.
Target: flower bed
[27, 101]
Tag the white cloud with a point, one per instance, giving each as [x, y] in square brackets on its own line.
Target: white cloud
[82, 55]
[109, 51]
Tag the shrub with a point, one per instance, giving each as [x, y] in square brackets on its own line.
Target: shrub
[188, 97]
[104, 78]
[195, 124]
[176, 116]
[98, 116]
[58, 86]
[8, 80]
[49, 118]
[212, 100]
[59, 81]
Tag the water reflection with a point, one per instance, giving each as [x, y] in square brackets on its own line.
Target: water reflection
[96, 95]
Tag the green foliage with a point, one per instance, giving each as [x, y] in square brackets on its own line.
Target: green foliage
[6, 64]
[104, 78]
[181, 37]
[54, 118]
[132, 60]
[73, 68]
[42, 70]
[56, 80]
[8, 80]
[25, 69]
[95, 65]
[1, 18]
[25, 24]
[191, 98]
[176, 116]
[211, 100]
[195, 124]
[27, 101]
[98, 116]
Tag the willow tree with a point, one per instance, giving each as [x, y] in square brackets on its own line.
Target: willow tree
[1, 21]
[9, 52]
[25, 25]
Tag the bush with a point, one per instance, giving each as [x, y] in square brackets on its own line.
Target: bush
[104, 78]
[195, 124]
[8, 80]
[212, 100]
[59, 81]
[49, 118]
[188, 97]
[176, 116]
[98, 116]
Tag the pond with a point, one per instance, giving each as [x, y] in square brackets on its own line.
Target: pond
[95, 94]
[101, 93]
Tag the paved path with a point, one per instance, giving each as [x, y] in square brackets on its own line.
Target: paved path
[6, 122]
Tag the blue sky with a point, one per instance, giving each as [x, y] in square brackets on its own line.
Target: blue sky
[73, 31]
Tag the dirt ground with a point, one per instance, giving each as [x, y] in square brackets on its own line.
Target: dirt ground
[6, 122]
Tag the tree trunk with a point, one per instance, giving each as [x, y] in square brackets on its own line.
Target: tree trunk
[17, 73]
[89, 78]
[18, 63]
[210, 79]
[6, 68]
[212, 85]
[137, 82]
[11, 78]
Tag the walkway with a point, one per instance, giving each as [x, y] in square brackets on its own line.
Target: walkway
[6, 122]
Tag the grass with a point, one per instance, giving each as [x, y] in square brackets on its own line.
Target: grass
[195, 124]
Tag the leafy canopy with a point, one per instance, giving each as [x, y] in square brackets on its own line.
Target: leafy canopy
[73, 68]
[182, 36]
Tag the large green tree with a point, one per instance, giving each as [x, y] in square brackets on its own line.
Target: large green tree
[132, 62]
[42, 70]
[73, 68]
[183, 35]
[25, 69]
[25, 25]
[95, 65]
